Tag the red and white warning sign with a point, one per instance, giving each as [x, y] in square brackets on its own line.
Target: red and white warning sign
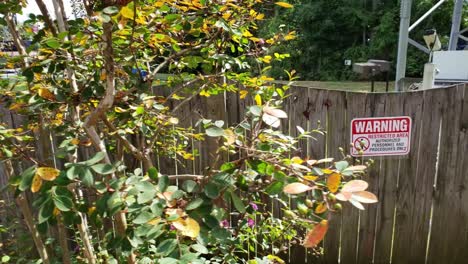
[381, 136]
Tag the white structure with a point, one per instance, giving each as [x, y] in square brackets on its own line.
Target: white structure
[404, 40]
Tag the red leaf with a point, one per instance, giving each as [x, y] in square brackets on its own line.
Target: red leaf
[296, 188]
[316, 235]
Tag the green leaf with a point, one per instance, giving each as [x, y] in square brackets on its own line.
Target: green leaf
[189, 186]
[211, 190]
[194, 204]
[95, 159]
[238, 204]
[168, 261]
[146, 192]
[341, 165]
[26, 178]
[215, 131]
[275, 188]
[53, 43]
[163, 183]
[255, 110]
[87, 177]
[74, 171]
[46, 211]
[153, 173]
[103, 168]
[63, 203]
[166, 247]
[200, 248]
[143, 218]
[110, 10]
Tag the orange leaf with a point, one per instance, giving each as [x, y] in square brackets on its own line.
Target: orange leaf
[296, 188]
[36, 183]
[46, 94]
[316, 235]
[333, 182]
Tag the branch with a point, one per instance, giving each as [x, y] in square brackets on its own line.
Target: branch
[182, 52]
[16, 38]
[134, 150]
[47, 18]
[108, 100]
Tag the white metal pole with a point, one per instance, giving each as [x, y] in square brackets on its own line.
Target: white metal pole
[456, 21]
[426, 15]
[405, 16]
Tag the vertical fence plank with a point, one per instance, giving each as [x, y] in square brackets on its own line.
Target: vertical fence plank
[317, 114]
[337, 137]
[387, 191]
[356, 103]
[408, 188]
[448, 237]
[375, 107]
[297, 105]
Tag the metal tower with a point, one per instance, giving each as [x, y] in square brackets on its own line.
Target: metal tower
[406, 28]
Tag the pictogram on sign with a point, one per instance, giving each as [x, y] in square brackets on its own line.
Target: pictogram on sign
[380, 136]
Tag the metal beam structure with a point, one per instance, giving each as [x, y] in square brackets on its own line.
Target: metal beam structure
[405, 16]
[405, 29]
[456, 21]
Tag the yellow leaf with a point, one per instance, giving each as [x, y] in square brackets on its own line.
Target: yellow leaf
[127, 12]
[154, 221]
[91, 210]
[258, 99]
[177, 97]
[321, 208]
[36, 184]
[260, 16]
[284, 4]
[205, 93]
[310, 177]
[243, 94]
[47, 173]
[46, 94]
[56, 211]
[327, 171]
[188, 227]
[333, 182]
[247, 34]
[188, 156]
[267, 59]
[118, 109]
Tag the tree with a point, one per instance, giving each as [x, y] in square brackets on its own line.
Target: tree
[91, 86]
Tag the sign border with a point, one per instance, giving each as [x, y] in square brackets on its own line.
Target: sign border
[381, 154]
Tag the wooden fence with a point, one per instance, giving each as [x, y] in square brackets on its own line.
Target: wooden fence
[422, 214]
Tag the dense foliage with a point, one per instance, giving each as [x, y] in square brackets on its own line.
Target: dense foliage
[84, 154]
[332, 31]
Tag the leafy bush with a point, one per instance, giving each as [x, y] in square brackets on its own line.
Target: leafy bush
[90, 89]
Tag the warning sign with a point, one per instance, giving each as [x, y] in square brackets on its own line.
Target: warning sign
[381, 136]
